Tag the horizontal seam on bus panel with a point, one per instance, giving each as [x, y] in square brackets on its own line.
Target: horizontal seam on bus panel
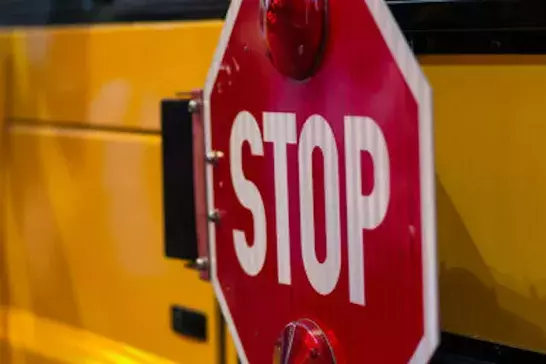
[80, 126]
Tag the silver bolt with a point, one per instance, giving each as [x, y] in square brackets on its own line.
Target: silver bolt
[213, 156]
[202, 263]
[193, 106]
[214, 215]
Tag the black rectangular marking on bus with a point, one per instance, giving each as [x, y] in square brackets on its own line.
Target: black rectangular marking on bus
[189, 323]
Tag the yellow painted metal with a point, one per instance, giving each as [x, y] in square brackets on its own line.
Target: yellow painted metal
[84, 263]
[3, 277]
[87, 275]
[108, 75]
[491, 183]
[231, 351]
[33, 337]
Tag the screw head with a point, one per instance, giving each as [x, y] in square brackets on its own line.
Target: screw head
[202, 263]
[214, 216]
[213, 156]
[193, 106]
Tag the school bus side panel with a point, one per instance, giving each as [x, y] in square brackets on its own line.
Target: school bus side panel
[491, 177]
[85, 256]
[109, 75]
[85, 270]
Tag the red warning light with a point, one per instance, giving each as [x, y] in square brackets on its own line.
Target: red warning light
[303, 342]
[295, 32]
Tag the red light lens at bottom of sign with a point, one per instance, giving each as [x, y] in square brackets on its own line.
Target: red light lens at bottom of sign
[303, 342]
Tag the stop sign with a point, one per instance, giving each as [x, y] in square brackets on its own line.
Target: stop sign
[321, 195]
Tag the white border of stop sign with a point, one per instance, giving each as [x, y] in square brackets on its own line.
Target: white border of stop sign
[420, 89]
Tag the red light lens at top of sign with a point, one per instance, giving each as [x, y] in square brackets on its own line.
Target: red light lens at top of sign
[295, 33]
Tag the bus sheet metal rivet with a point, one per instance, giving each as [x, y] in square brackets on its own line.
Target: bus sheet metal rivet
[303, 341]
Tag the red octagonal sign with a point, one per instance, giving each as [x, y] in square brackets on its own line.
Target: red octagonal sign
[323, 236]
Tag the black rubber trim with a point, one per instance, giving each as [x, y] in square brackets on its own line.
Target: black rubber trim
[431, 26]
[170, 10]
[222, 336]
[473, 26]
[180, 232]
[63, 12]
[469, 15]
[456, 349]
[527, 42]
